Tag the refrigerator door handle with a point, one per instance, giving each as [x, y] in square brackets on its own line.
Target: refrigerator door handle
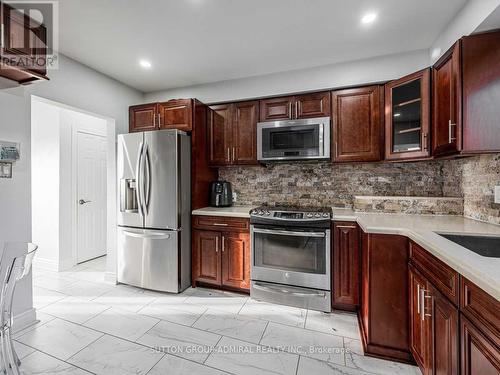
[147, 179]
[138, 179]
[150, 235]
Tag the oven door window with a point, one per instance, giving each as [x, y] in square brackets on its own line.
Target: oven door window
[291, 141]
[297, 253]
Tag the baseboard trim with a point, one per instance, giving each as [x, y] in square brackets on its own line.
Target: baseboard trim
[24, 320]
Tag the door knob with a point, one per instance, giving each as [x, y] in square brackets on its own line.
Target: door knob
[83, 201]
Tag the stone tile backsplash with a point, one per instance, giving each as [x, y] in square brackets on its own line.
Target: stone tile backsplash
[326, 184]
[410, 205]
[474, 179]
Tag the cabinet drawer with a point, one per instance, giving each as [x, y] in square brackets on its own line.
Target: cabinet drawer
[221, 223]
[439, 274]
[480, 307]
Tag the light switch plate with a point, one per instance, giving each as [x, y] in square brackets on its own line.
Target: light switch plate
[497, 194]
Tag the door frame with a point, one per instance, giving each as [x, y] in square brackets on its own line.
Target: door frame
[112, 199]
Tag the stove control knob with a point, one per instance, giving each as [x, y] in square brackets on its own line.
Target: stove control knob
[317, 214]
[261, 212]
[309, 215]
[267, 213]
[325, 214]
[254, 212]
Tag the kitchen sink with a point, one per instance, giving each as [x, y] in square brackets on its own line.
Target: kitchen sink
[486, 246]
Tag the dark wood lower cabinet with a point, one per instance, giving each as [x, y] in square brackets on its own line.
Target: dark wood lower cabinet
[384, 312]
[345, 266]
[236, 260]
[221, 258]
[479, 355]
[443, 318]
[419, 328]
[206, 259]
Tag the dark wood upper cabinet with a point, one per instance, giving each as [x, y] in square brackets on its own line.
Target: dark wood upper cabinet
[446, 109]
[206, 258]
[384, 312]
[236, 260]
[244, 138]
[466, 90]
[176, 114]
[220, 135]
[295, 107]
[481, 92]
[24, 42]
[357, 124]
[346, 266]
[312, 105]
[276, 109]
[407, 117]
[232, 135]
[143, 117]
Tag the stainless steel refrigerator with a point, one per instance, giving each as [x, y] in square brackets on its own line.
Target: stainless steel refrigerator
[154, 234]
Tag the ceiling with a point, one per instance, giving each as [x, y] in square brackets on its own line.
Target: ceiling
[191, 42]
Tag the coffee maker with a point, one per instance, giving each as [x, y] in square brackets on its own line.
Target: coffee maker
[221, 194]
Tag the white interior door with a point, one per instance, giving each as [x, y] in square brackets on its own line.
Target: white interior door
[91, 196]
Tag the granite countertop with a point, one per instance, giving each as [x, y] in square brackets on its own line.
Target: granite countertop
[483, 271]
[235, 211]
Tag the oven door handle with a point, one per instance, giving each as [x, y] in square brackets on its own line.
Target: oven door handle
[290, 233]
[281, 290]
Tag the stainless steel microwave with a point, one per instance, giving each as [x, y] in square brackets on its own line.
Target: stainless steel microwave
[305, 139]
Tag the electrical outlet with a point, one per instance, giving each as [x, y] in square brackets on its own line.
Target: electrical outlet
[497, 194]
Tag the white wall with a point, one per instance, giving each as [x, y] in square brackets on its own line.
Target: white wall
[352, 73]
[54, 180]
[464, 23]
[73, 84]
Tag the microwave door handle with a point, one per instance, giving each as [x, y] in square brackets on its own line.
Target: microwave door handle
[289, 233]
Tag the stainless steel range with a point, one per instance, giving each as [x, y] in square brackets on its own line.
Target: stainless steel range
[291, 256]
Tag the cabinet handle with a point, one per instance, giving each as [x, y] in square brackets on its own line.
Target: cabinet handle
[228, 155]
[422, 303]
[450, 138]
[418, 299]
[223, 243]
[220, 224]
[346, 226]
[234, 153]
[336, 149]
[159, 120]
[216, 244]
[426, 142]
[290, 110]
[154, 120]
[296, 109]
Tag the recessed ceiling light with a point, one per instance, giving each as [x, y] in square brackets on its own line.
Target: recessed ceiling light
[369, 18]
[145, 64]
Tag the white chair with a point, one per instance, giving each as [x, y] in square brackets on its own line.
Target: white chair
[15, 265]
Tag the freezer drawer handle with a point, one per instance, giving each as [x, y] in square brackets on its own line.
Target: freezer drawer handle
[154, 235]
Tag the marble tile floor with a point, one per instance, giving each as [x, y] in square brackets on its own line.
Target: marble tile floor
[91, 326]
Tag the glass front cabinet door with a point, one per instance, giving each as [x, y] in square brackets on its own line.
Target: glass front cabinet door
[407, 115]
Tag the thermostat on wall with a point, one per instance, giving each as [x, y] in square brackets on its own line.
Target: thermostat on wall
[5, 170]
